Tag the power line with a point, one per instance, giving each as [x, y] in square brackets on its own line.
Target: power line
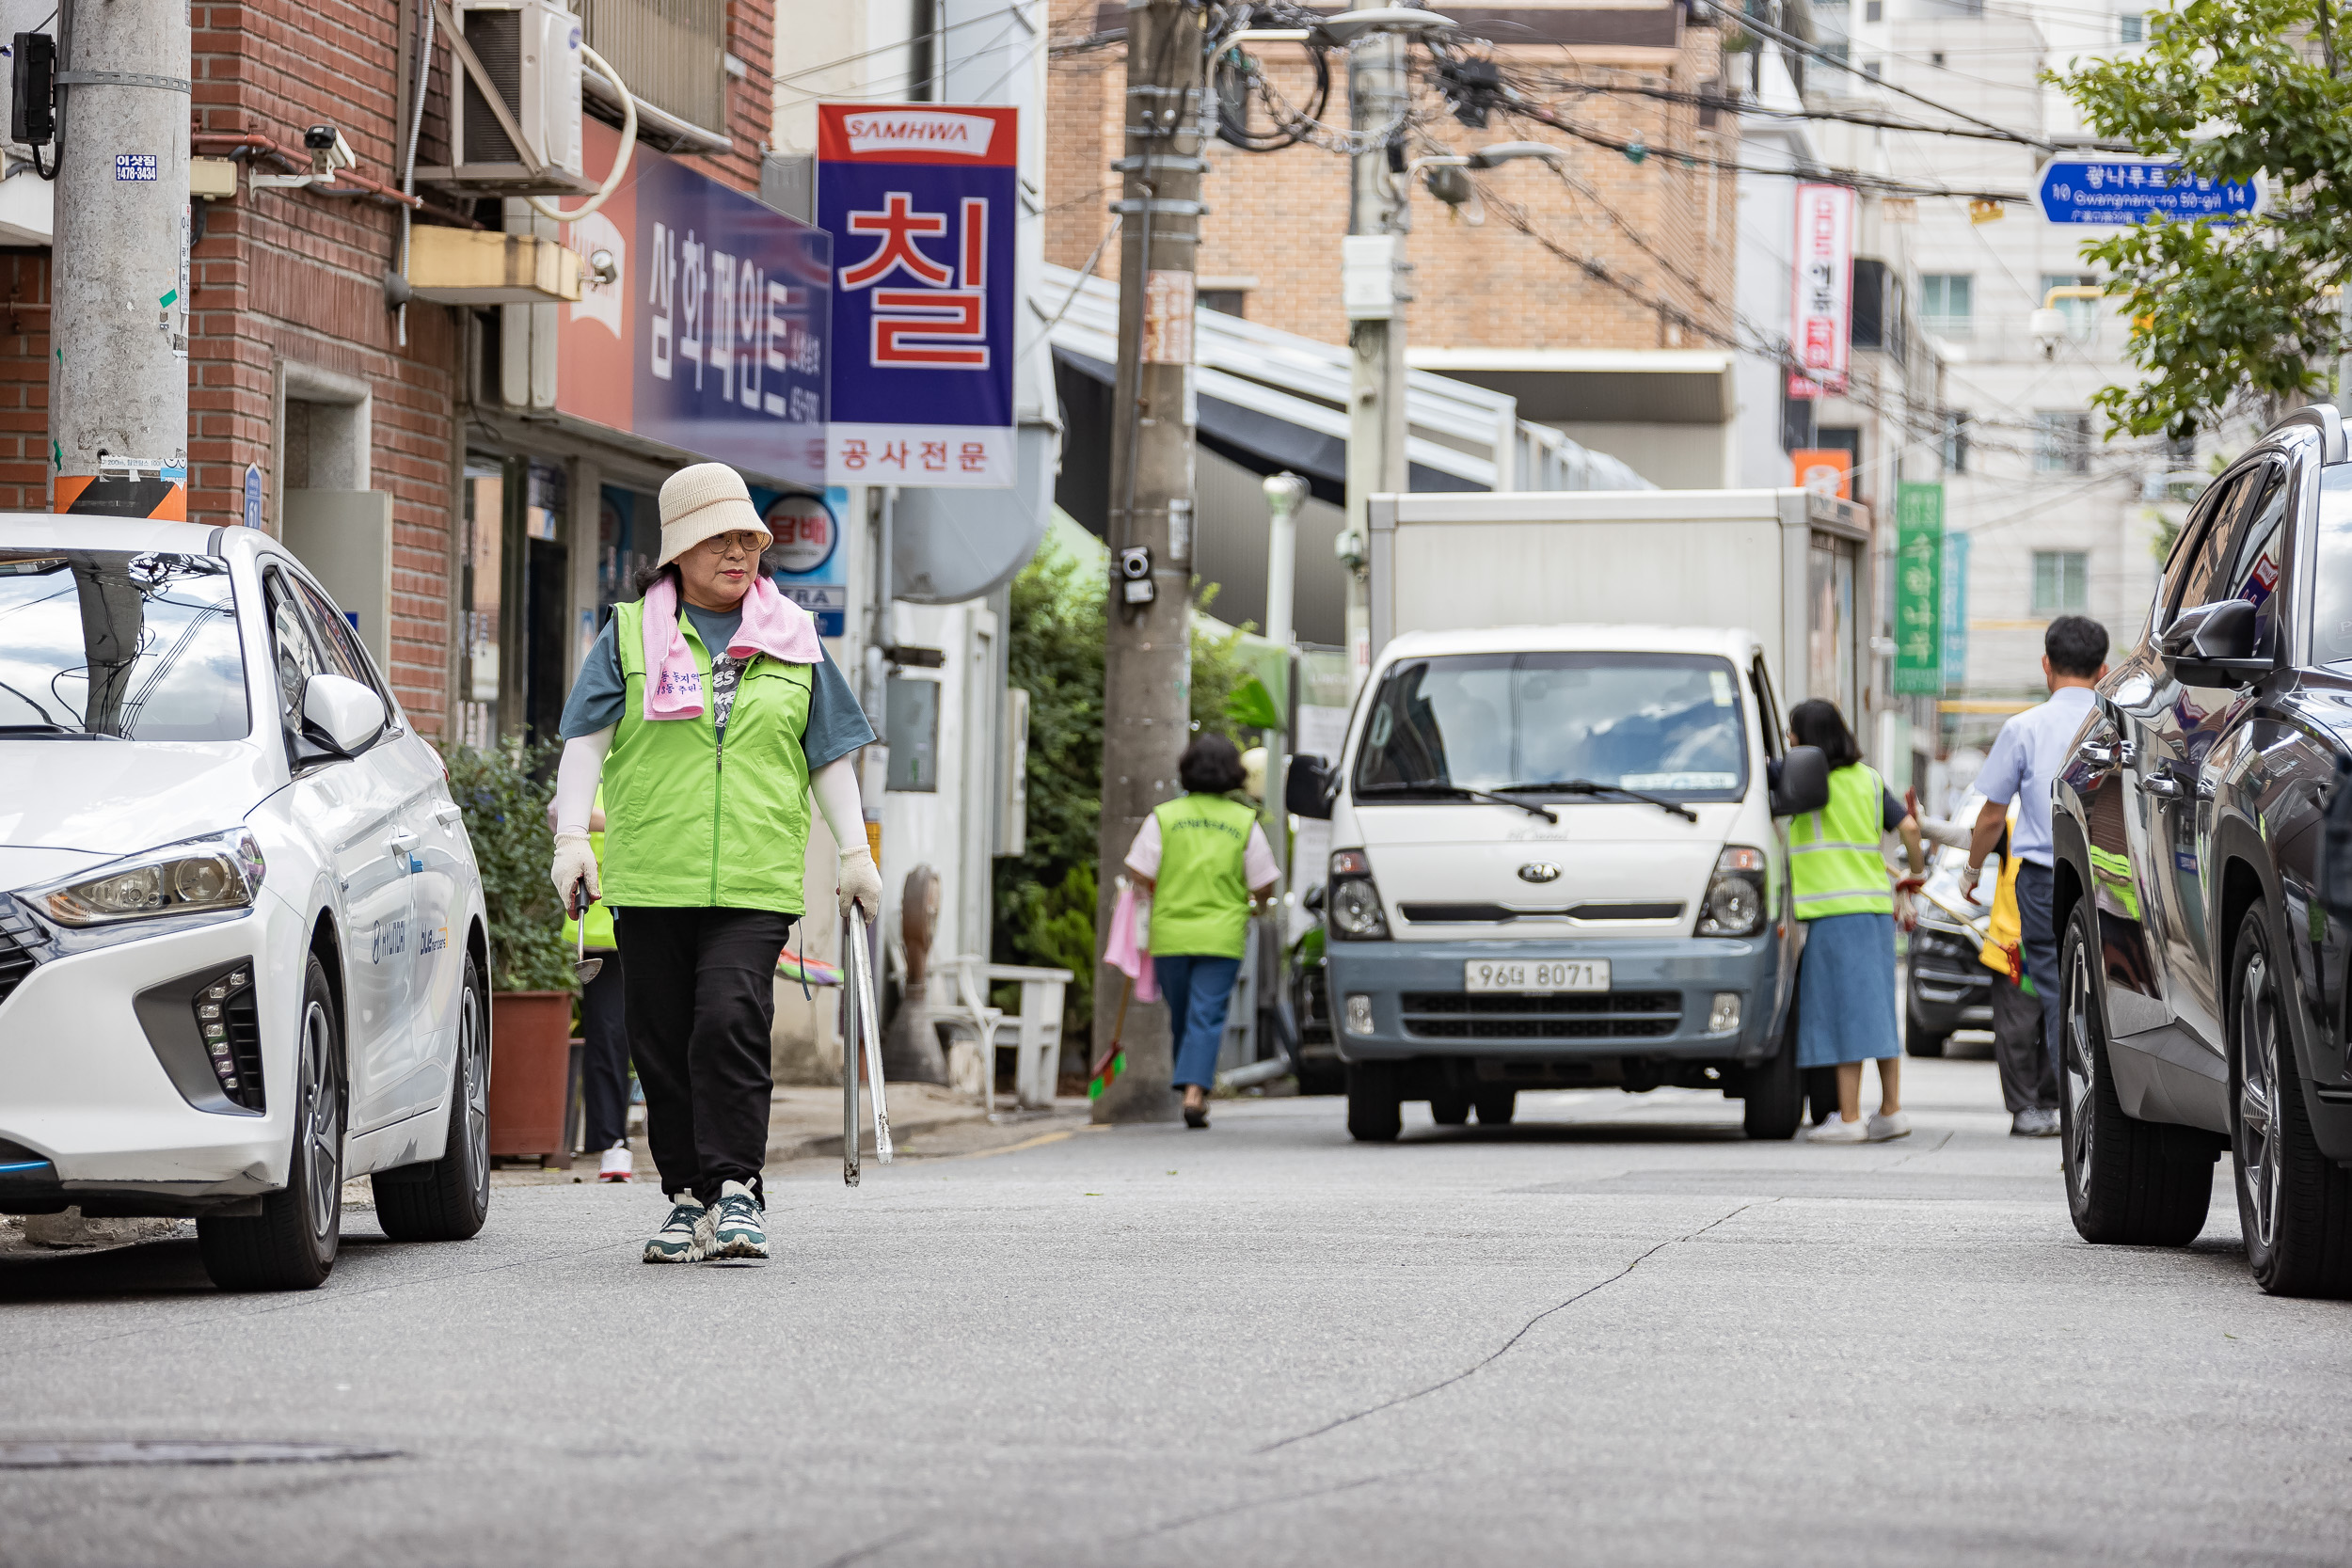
[1883, 122]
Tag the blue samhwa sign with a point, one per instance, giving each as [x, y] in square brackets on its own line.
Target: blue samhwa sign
[2119, 192]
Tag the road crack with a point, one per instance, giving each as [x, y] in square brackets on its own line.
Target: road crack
[1505, 1348]
[1208, 1514]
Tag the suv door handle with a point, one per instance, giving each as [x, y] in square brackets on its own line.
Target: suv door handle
[2099, 753]
[403, 842]
[447, 812]
[2164, 786]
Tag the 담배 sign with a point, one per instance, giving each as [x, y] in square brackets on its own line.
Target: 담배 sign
[1918, 590]
[1820, 332]
[920, 200]
[2119, 193]
[809, 566]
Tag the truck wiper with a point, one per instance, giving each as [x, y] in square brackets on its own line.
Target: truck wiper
[1434, 787]
[1586, 786]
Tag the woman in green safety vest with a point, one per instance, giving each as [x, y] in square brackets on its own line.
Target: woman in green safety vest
[1845, 980]
[604, 1063]
[712, 714]
[1200, 858]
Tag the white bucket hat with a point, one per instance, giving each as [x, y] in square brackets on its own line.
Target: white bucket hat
[702, 502]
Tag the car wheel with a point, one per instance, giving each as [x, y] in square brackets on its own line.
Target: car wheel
[1449, 1108]
[448, 1200]
[2293, 1204]
[1920, 1040]
[290, 1245]
[2124, 1184]
[1494, 1106]
[1375, 1102]
[1774, 1101]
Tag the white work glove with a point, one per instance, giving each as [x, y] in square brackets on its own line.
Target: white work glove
[859, 883]
[575, 863]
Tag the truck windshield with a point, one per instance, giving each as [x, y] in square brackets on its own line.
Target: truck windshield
[1535, 724]
[140, 647]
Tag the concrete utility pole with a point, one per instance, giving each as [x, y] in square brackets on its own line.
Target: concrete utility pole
[119, 375]
[1285, 493]
[1374, 269]
[1147, 654]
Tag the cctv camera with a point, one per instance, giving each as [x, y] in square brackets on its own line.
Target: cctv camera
[328, 151]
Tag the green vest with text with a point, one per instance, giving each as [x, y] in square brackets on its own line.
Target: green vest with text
[1834, 866]
[1201, 899]
[691, 827]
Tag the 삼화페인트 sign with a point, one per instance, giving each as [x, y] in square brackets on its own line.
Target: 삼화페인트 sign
[920, 200]
[703, 320]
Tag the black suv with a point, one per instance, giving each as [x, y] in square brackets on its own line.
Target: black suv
[2201, 978]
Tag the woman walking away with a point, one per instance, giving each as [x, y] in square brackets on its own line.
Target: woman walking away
[1200, 858]
[1846, 980]
[712, 713]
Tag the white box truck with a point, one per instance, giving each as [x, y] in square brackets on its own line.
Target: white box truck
[1556, 854]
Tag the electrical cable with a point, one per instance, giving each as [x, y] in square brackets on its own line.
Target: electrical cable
[620, 159]
[1843, 117]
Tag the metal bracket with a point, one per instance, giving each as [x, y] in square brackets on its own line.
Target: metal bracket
[1171, 206]
[121, 79]
[1150, 162]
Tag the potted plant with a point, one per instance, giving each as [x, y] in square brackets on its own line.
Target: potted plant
[505, 794]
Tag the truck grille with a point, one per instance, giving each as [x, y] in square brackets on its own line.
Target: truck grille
[1453, 1015]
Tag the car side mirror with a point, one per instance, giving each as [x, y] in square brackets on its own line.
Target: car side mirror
[1315, 898]
[1307, 790]
[1803, 781]
[341, 713]
[2213, 645]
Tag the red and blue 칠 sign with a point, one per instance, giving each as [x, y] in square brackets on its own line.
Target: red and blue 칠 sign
[919, 199]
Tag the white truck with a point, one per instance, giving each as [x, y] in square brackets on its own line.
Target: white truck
[1555, 855]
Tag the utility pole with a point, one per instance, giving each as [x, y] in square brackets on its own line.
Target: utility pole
[118, 327]
[1284, 494]
[1374, 269]
[1146, 654]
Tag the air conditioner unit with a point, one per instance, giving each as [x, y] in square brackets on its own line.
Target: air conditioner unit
[523, 57]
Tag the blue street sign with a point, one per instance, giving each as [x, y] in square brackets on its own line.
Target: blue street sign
[2119, 193]
[252, 495]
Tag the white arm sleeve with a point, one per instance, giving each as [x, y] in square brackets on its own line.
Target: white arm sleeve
[576, 779]
[834, 785]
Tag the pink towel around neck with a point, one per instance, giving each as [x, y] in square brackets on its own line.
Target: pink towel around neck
[772, 625]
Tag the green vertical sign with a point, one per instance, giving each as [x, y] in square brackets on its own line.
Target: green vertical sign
[1918, 590]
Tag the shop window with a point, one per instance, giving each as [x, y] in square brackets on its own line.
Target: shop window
[2061, 582]
[1225, 302]
[2131, 27]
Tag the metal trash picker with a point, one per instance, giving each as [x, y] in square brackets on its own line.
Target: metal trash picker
[864, 1033]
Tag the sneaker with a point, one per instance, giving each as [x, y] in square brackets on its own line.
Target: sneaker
[1884, 1127]
[1837, 1130]
[683, 1237]
[738, 1232]
[616, 1164]
[2035, 1122]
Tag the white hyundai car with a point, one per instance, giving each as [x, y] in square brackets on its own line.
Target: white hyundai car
[242, 935]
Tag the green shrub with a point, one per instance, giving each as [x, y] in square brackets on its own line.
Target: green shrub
[504, 795]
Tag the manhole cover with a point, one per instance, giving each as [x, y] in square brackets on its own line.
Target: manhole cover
[71, 1454]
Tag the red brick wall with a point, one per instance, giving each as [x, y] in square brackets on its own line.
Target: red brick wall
[1277, 217]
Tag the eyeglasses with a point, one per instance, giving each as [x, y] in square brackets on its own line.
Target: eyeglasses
[741, 541]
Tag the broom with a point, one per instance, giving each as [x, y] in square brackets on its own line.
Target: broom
[1114, 1059]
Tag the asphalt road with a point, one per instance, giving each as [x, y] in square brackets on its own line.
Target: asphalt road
[1612, 1334]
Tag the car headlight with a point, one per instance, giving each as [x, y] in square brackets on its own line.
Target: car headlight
[1735, 902]
[1352, 907]
[200, 876]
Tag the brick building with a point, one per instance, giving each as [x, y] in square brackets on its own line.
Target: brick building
[297, 364]
[1639, 367]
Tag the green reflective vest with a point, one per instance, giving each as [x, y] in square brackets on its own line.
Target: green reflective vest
[599, 915]
[1201, 899]
[688, 826]
[1835, 866]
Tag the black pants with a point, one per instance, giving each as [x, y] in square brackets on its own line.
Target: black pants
[701, 1000]
[604, 1069]
[2027, 1082]
[2036, 895]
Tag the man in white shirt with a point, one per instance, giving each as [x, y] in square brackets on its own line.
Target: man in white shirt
[2026, 760]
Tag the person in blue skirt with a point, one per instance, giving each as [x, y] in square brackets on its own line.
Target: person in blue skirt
[1846, 1012]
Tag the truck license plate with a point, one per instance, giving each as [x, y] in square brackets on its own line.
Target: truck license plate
[1552, 975]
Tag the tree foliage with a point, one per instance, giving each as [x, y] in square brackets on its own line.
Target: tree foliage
[504, 795]
[2229, 318]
